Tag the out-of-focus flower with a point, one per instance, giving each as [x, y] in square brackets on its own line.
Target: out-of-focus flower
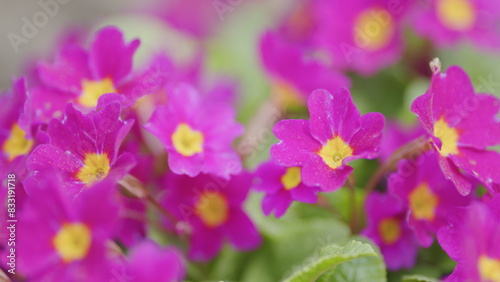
[446, 22]
[293, 76]
[462, 125]
[360, 35]
[471, 239]
[335, 134]
[282, 186]
[387, 227]
[84, 148]
[197, 133]
[299, 23]
[427, 194]
[64, 239]
[212, 207]
[150, 262]
[131, 225]
[395, 136]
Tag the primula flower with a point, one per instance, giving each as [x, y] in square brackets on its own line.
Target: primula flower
[197, 133]
[150, 262]
[282, 186]
[365, 35]
[335, 134]
[131, 225]
[396, 135]
[84, 148]
[462, 125]
[64, 239]
[293, 76]
[427, 194]
[471, 239]
[387, 227]
[447, 21]
[213, 208]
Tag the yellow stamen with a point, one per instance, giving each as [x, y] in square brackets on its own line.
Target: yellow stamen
[448, 136]
[334, 152]
[187, 141]
[93, 89]
[456, 14]
[212, 208]
[390, 230]
[291, 178]
[423, 202]
[17, 144]
[72, 242]
[489, 268]
[373, 29]
[95, 167]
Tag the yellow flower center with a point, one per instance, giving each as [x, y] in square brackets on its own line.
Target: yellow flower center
[489, 268]
[334, 152]
[291, 178]
[390, 230]
[187, 141]
[373, 29]
[456, 14]
[93, 89]
[95, 167]
[423, 202]
[212, 208]
[72, 242]
[17, 144]
[286, 94]
[448, 136]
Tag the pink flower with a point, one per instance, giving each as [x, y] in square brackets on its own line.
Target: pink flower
[396, 135]
[335, 134]
[282, 186]
[462, 126]
[387, 227]
[213, 209]
[197, 133]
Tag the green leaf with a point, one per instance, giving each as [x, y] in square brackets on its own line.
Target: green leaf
[329, 260]
[418, 278]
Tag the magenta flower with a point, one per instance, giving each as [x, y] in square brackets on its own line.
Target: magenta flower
[293, 76]
[84, 148]
[282, 186]
[426, 193]
[396, 135]
[62, 239]
[213, 208]
[197, 133]
[335, 134]
[150, 262]
[131, 225]
[462, 125]
[446, 22]
[387, 227]
[365, 35]
[471, 239]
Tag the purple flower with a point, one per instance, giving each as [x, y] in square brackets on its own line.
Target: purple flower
[387, 227]
[365, 35]
[131, 225]
[212, 207]
[197, 133]
[335, 134]
[293, 76]
[446, 22]
[150, 262]
[427, 194]
[282, 186]
[61, 239]
[396, 135]
[471, 239]
[84, 148]
[462, 125]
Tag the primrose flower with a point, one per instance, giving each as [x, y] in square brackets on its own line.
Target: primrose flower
[365, 35]
[212, 206]
[396, 135]
[387, 227]
[150, 262]
[447, 21]
[84, 148]
[293, 76]
[471, 239]
[428, 195]
[65, 239]
[131, 227]
[197, 133]
[335, 134]
[282, 186]
[462, 125]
